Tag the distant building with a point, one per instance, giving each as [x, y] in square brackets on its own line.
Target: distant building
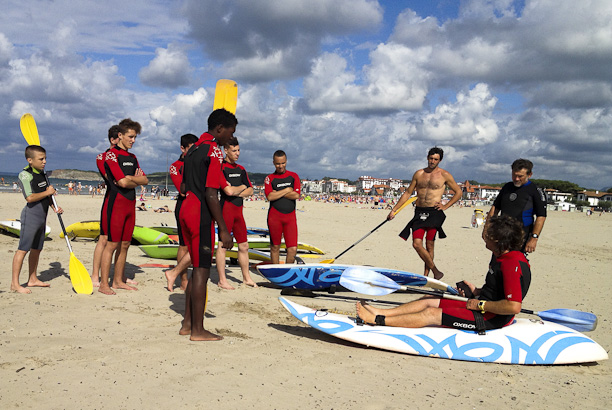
[478, 192]
[365, 183]
[593, 197]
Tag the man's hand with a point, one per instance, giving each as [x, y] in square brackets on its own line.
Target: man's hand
[226, 239]
[530, 246]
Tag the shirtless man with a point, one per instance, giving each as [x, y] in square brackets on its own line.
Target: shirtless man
[430, 183]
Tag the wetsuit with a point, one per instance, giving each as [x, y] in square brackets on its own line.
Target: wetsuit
[34, 215]
[176, 174]
[522, 203]
[120, 209]
[281, 215]
[232, 206]
[202, 170]
[508, 278]
[100, 165]
[429, 219]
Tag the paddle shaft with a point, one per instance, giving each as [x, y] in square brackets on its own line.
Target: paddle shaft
[373, 230]
[310, 294]
[59, 217]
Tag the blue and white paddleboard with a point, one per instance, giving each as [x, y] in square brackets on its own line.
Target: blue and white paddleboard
[324, 275]
[525, 341]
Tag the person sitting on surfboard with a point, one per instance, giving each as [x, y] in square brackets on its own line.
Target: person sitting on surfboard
[37, 192]
[236, 186]
[496, 303]
[430, 183]
[282, 189]
[183, 260]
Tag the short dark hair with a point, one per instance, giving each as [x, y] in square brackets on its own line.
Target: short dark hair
[522, 163]
[188, 139]
[233, 142]
[279, 153]
[221, 117]
[129, 124]
[436, 150]
[506, 232]
[113, 132]
[33, 149]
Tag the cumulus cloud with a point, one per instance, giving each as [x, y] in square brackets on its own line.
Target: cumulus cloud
[169, 69]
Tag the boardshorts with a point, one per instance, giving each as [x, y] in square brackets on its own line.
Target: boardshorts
[425, 217]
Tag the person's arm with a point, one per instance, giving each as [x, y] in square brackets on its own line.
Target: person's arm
[234, 190]
[499, 307]
[212, 200]
[274, 195]
[450, 182]
[35, 197]
[293, 195]
[132, 181]
[405, 196]
[532, 242]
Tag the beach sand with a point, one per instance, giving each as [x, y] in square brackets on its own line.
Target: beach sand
[63, 350]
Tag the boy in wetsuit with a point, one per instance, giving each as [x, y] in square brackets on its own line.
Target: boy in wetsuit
[282, 189]
[123, 174]
[236, 186]
[113, 137]
[37, 192]
[201, 183]
[182, 258]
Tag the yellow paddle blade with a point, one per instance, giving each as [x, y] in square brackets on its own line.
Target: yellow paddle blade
[226, 95]
[327, 261]
[81, 281]
[29, 129]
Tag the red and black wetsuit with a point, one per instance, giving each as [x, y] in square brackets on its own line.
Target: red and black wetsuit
[120, 209]
[202, 170]
[176, 174]
[281, 215]
[509, 278]
[100, 165]
[235, 175]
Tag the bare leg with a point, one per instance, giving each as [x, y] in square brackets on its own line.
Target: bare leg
[17, 264]
[417, 244]
[243, 261]
[118, 277]
[32, 266]
[97, 259]
[183, 262]
[275, 254]
[220, 258]
[194, 306]
[105, 266]
[291, 254]
[429, 315]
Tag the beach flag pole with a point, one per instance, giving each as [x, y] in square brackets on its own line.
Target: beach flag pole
[81, 281]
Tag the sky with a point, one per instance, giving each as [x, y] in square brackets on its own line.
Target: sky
[345, 87]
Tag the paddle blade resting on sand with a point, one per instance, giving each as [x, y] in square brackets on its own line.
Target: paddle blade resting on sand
[29, 129]
[226, 95]
[81, 281]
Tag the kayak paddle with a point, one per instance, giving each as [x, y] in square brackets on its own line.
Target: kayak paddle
[81, 281]
[369, 282]
[226, 95]
[409, 201]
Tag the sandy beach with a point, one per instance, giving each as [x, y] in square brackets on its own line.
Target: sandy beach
[63, 350]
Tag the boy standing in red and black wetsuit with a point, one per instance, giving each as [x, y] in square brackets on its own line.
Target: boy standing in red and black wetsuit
[119, 215]
[236, 186]
[183, 260]
[201, 182]
[282, 189]
[113, 137]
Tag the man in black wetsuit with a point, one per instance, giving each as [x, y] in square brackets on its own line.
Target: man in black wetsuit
[522, 200]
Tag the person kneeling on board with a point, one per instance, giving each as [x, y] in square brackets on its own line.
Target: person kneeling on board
[496, 303]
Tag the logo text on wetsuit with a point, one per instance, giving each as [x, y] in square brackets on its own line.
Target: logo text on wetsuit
[284, 184]
[129, 164]
[233, 175]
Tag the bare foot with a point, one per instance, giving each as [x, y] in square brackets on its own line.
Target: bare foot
[106, 290]
[38, 283]
[204, 336]
[184, 283]
[20, 289]
[171, 278]
[185, 329]
[364, 313]
[225, 285]
[122, 285]
[95, 283]
[130, 281]
[438, 275]
[250, 283]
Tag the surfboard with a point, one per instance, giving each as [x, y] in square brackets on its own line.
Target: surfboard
[170, 251]
[324, 275]
[264, 243]
[14, 227]
[525, 341]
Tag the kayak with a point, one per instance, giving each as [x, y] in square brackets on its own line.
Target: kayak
[170, 251]
[14, 227]
[525, 341]
[91, 229]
